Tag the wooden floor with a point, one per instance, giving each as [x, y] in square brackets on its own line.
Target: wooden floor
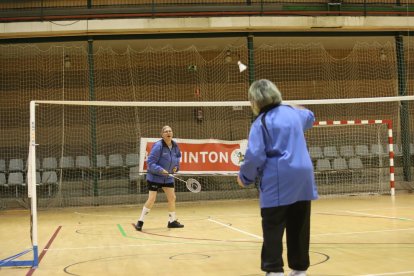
[350, 236]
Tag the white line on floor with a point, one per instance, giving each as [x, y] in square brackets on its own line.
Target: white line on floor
[236, 229]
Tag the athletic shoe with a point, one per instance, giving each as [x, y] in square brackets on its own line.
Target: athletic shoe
[139, 225]
[175, 224]
[297, 273]
[275, 274]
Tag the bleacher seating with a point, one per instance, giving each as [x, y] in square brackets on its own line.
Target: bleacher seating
[330, 152]
[362, 150]
[16, 164]
[132, 159]
[3, 181]
[16, 180]
[2, 165]
[315, 152]
[347, 151]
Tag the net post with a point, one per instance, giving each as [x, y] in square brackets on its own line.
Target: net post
[32, 181]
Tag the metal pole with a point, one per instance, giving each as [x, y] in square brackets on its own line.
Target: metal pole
[250, 49]
[404, 112]
[92, 110]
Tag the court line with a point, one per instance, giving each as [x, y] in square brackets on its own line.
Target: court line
[49, 243]
[236, 229]
[389, 273]
[363, 232]
[114, 246]
[379, 216]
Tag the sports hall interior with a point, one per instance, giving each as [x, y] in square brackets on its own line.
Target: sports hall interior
[353, 57]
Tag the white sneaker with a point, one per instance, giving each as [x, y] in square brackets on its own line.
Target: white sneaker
[275, 274]
[297, 273]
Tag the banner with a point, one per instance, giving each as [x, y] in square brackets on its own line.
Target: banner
[206, 156]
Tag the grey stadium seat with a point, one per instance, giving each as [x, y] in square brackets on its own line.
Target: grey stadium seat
[355, 163]
[16, 179]
[132, 159]
[2, 165]
[323, 168]
[134, 174]
[362, 150]
[16, 165]
[82, 161]
[66, 162]
[347, 151]
[330, 152]
[323, 165]
[49, 178]
[49, 163]
[339, 164]
[377, 149]
[115, 160]
[3, 182]
[101, 161]
[316, 152]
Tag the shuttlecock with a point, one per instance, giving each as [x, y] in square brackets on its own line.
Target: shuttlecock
[242, 67]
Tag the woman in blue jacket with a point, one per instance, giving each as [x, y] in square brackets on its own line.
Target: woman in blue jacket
[163, 160]
[277, 156]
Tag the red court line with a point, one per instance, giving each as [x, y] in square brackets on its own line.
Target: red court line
[49, 243]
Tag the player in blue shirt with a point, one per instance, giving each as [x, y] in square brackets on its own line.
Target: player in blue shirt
[163, 160]
[277, 157]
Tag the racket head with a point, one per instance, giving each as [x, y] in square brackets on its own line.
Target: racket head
[193, 185]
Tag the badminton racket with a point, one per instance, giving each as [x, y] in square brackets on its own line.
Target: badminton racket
[192, 185]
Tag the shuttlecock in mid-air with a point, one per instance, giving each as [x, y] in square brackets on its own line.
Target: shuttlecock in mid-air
[242, 67]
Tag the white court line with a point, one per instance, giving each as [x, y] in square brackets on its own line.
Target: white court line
[389, 273]
[378, 216]
[104, 215]
[117, 246]
[363, 232]
[236, 229]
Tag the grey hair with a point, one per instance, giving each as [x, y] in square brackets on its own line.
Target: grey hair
[163, 128]
[263, 93]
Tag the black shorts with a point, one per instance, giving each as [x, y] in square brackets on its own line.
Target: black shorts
[154, 186]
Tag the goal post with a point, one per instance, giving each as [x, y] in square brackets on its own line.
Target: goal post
[388, 137]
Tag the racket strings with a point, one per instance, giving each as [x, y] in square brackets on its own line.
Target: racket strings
[193, 185]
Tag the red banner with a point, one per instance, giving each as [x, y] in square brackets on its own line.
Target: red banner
[202, 156]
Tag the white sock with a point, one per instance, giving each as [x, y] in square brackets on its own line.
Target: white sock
[171, 216]
[145, 212]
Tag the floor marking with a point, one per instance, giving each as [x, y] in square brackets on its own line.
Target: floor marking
[389, 273]
[378, 216]
[236, 229]
[112, 246]
[49, 243]
[364, 232]
[99, 215]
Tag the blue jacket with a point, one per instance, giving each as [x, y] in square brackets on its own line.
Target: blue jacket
[161, 157]
[279, 157]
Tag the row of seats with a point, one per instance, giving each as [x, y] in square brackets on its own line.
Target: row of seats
[17, 180]
[325, 164]
[132, 159]
[51, 163]
[348, 151]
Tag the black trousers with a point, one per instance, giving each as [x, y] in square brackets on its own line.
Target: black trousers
[295, 218]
